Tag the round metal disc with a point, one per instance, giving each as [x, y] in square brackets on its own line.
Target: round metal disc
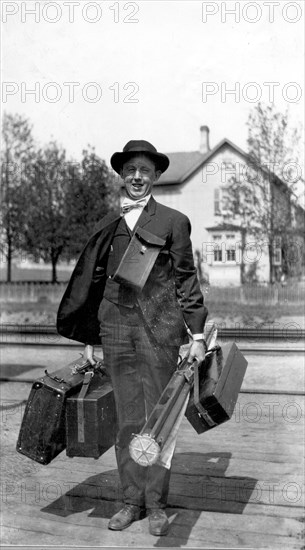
[144, 450]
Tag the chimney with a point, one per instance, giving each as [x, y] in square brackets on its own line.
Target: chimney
[204, 139]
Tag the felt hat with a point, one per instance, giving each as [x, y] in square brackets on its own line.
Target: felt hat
[141, 147]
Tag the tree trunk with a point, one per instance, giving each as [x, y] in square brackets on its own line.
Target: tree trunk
[9, 263]
[242, 263]
[54, 272]
[270, 249]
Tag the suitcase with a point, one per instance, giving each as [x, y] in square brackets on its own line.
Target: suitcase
[43, 431]
[91, 418]
[216, 388]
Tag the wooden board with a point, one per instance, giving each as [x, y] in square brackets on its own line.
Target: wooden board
[240, 485]
[187, 528]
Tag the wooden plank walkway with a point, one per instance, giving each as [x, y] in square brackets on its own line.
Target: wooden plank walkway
[240, 485]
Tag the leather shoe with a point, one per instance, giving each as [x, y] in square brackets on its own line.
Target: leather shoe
[158, 522]
[124, 517]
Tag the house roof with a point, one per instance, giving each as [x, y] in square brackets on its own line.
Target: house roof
[183, 165]
[225, 227]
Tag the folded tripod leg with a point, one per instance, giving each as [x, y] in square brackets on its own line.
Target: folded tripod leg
[145, 447]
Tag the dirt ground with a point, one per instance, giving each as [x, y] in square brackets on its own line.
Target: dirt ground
[228, 315]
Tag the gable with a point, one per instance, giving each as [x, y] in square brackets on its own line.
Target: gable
[184, 165]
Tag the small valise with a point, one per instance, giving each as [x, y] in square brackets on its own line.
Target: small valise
[42, 434]
[91, 418]
[216, 388]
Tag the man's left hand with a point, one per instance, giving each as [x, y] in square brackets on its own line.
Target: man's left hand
[197, 351]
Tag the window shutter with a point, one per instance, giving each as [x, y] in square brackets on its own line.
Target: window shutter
[216, 201]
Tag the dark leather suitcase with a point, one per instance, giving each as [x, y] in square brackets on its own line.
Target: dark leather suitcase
[91, 419]
[138, 259]
[213, 398]
[43, 431]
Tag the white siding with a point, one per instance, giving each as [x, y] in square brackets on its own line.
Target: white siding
[195, 198]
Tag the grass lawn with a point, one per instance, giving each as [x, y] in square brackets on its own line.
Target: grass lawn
[35, 274]
[249, 313]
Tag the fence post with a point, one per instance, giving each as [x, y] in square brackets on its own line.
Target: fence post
[276, 297]
[242, 295]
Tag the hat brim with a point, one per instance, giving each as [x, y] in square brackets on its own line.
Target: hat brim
[118, 160]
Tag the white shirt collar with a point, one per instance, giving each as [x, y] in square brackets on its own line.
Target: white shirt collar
[128, 200]
[132, 217]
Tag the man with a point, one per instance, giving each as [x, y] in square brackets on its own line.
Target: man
[140, 331]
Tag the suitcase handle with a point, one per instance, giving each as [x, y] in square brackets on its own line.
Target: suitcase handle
[211, 350]
[79, 369]
[98, 365]
[55, 378]
[188, 369]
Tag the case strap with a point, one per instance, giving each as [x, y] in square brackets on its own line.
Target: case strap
[80, 406]
[201, 410]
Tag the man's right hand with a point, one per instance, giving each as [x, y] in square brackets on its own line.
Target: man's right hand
[88, 354]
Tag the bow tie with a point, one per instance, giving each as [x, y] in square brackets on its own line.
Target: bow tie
[129, 205]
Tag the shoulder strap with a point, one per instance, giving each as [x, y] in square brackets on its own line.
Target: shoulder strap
[80, 405]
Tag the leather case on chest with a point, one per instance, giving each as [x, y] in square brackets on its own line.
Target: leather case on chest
[138, 259]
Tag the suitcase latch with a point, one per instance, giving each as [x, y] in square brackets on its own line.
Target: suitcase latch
[205, 415]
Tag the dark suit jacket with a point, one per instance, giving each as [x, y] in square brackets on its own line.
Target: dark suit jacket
[170, 298]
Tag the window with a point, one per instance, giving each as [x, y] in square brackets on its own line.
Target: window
[221, 202]
[217, 248]
[277, 250]
[228, 171]
[231, 247]
[231, 254]
[217, 255]
[229, 165]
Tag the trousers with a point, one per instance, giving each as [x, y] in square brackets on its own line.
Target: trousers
[139, 371]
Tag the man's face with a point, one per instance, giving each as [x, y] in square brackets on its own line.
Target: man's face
[139, 174]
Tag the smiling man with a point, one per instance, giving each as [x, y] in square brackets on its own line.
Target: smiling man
[140, 330]
[139, 175]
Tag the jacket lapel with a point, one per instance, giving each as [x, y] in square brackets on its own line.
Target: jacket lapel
[147, 213]
[106, 221]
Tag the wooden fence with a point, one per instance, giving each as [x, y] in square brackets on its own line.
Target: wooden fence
[24, 292]
[256, 294]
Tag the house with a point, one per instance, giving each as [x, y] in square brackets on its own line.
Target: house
[195, 184]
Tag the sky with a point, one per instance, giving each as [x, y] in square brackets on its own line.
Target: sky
[108, 72]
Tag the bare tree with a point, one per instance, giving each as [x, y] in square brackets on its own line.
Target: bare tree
[264, 197]
[16, 160]
[50, 205]
[47, 225]
[65, 201]
[92, 192]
